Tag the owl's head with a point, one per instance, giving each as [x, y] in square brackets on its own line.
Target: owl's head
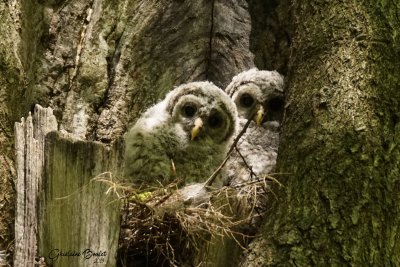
[203, 111]
[258, 95]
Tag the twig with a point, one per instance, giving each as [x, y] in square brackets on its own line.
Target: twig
[211, 179]
[163, 199]
[272, 178]
[252, 173]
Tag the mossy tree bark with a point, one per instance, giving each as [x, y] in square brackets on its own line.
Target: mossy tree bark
[340, 147]
[12, 83]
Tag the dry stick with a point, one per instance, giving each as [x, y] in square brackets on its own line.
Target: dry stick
[251, 171]
[247, 166]
[211, 179]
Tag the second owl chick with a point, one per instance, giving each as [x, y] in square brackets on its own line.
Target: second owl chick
[258, 96]
[186, 136]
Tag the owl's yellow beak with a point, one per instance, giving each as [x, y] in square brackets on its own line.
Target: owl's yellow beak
[198, 125]
[258, 117]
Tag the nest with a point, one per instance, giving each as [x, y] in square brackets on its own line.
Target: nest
[165, 228]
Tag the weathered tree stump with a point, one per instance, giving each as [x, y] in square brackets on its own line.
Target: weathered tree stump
[64, 213]
[29, 145]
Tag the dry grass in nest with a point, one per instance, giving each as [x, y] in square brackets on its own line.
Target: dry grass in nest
[163, 230]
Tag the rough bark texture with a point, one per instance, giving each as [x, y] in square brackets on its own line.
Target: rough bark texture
[340, 205]
[11, 83]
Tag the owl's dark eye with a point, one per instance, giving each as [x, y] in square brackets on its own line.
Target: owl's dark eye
[246, 100]
[215, 121]
[275, 104]
[189, 110]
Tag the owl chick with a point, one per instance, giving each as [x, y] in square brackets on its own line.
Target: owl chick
[184, 136]
[258, 96]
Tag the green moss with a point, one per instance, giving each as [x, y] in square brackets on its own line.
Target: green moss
[355, 148]
[334, 220]
[355, 215]
[293, 237]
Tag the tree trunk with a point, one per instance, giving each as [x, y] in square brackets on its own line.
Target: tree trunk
[340, 151]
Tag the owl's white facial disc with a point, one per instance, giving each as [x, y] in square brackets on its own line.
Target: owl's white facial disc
[203, 111]
[246, 99]
[255, 91]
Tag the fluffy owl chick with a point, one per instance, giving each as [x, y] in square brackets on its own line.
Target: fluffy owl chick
[184, 136]
[258, 96]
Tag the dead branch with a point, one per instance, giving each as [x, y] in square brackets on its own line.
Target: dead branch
[211, 179]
